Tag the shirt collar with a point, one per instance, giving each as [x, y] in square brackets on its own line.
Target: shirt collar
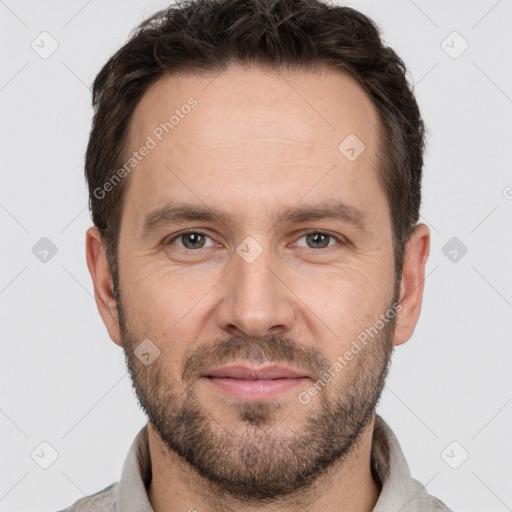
[400, 492]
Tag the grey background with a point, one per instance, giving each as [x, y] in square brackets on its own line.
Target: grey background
[63, 381]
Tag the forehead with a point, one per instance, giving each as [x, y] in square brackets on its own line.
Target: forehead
[324, 102]
[253, 129]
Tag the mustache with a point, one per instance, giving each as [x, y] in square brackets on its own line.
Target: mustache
[271, 349]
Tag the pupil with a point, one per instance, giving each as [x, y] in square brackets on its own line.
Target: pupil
[191, 237]
[319, 238]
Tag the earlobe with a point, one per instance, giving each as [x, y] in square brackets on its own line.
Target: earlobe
[412, 283]
[102, 279]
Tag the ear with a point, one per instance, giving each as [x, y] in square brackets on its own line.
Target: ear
[411, 287]
[103, 284]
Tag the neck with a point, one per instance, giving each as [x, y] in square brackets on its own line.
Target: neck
[347, 486]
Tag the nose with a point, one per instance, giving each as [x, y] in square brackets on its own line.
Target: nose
[256, 300]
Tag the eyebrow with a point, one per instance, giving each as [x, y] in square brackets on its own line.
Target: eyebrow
[175, 212]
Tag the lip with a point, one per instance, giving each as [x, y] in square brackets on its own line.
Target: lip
[244, 372]
[250, 383]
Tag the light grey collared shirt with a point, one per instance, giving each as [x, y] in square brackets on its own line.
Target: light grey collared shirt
[400, 492]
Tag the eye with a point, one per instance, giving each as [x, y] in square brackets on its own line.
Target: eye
[190, 240]
[319, 240]
[194, 240]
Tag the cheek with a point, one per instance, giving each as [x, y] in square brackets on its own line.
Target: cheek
[341, 305]
[160, 307]
[160, 291]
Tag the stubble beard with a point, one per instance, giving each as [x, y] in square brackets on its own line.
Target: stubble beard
[259, 460]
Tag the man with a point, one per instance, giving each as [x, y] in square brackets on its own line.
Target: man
[254, 170]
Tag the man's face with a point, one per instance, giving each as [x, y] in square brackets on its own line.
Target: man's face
[250, 288]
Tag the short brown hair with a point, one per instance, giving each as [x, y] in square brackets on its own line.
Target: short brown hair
[207, 36]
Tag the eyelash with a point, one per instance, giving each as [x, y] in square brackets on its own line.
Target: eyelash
[169, 241]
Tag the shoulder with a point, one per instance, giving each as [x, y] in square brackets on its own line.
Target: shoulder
[103, 500]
